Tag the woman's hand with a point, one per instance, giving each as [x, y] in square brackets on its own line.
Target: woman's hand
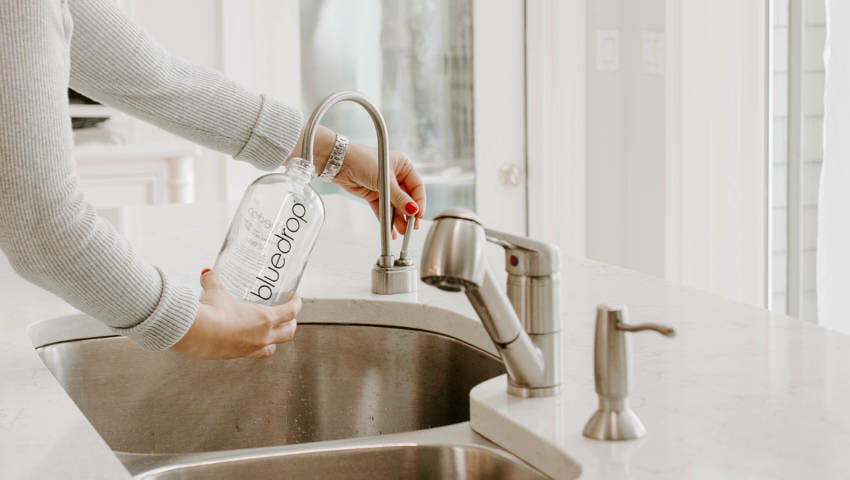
[359, 176]
[227, 327]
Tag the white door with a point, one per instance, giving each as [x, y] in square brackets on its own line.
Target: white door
[500, 154]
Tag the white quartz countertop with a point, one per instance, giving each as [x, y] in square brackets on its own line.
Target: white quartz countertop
[739, 393]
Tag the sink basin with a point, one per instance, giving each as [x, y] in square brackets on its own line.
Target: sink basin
[333, 381]
[469, 462]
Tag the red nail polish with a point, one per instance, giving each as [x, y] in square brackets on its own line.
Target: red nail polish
[411, 208]
[204, 271]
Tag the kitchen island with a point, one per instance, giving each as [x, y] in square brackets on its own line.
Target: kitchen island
[739, 393]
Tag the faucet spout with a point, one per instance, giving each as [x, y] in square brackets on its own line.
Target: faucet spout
[388, 275]
[385, 212]
[523, 360]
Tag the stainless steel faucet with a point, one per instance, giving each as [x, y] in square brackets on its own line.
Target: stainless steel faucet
[524, 324]
[612, 363]
[389, 275]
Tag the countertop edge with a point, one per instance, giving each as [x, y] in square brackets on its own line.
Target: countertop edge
[532, 446]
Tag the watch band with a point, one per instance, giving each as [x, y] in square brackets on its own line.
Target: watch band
[334, 164]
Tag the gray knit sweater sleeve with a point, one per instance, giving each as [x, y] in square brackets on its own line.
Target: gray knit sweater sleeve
[51, 236]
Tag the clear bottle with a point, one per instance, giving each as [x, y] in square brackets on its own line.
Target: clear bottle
[271, 236]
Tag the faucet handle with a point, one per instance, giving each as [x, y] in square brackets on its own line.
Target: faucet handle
[612, 363]
[525, 256]
[662, 329]
[404, 259]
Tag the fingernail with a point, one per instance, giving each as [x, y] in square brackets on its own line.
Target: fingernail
[204, 271]
[411, 208]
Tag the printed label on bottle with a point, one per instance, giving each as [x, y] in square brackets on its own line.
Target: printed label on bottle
[240, 261]
[283, 242]
[268, 244]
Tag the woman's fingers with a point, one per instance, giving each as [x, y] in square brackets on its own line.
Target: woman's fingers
[360, 176]
[287, 311]
[410, 181]
[281, 333]
[404, 205]
[413, 184]
[276, 335]
[401, 200]
[284, 332]
[282, 327]
[412, 191]
[264, 352]
[226, 327]
[403, 184]
[210, 280]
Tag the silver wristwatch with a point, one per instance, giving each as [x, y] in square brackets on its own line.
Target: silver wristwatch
[334, 164]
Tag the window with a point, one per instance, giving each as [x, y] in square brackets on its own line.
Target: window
[794, 236]
[412, 58]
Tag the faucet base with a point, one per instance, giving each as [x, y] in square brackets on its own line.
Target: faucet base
[527, 392]
[608, 425]
[393, 280]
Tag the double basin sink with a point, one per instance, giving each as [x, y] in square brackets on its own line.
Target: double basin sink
[358, 399]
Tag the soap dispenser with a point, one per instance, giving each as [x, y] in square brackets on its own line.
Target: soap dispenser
[272, 235]
[612, 364]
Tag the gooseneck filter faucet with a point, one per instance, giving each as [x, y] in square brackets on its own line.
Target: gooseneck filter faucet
[389, 275]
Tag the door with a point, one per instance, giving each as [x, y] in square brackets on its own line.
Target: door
[500, 155]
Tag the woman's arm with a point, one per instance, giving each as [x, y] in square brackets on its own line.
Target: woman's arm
[51, 236]
[116, 62]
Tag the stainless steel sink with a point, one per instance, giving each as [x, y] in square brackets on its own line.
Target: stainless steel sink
[342, 400]
[462, 461]
[333, 381]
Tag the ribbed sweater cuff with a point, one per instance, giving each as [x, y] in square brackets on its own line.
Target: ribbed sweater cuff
[171, 319]
[273, 136]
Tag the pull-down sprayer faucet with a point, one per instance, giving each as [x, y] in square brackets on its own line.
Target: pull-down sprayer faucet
[524, 324]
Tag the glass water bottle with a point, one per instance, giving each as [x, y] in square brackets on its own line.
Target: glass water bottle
[271, 235]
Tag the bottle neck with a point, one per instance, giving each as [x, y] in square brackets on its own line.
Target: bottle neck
[300, 169]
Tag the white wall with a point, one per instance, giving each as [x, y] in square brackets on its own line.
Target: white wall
[625, 140]
[833, 260]
[676, 164]
[555, 126]
[723, 158]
